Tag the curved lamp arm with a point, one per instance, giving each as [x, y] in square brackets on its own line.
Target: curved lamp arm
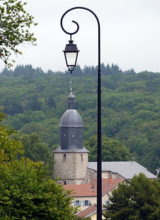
[77, 29]
[99, 139]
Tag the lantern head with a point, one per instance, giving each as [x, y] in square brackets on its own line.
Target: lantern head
[71, 54]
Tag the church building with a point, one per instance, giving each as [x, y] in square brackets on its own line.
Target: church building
[72, 169]
[71, 164]
[71, 157]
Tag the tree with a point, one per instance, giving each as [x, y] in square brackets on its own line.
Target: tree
[34, 148]
[50, 102]
[12, 107]
[37, 150]
[10, 149]
[112, 149]
[34, 103]
[26, 191]
[15, 23]
[138, 199]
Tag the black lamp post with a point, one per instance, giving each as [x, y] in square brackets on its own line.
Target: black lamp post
[71, 55]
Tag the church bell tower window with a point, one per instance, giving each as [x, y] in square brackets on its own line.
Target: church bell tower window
[64, 157]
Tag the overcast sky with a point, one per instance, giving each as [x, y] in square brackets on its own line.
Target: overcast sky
[130, 31]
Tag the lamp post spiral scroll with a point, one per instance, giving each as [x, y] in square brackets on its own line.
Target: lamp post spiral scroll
[71, 54]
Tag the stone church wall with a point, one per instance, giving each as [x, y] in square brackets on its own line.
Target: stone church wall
[70, 168]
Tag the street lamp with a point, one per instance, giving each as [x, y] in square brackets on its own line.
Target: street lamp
[71, 55]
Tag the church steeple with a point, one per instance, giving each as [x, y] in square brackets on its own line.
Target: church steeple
[71, 126]
[71, 158]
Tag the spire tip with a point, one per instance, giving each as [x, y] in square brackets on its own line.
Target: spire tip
[70, 82]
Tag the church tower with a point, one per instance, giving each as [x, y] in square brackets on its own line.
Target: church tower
[71, 158]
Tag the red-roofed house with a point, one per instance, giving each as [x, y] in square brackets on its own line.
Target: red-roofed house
[85, 194]
[91, 212]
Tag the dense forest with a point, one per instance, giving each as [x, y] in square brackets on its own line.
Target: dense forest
[34, 100]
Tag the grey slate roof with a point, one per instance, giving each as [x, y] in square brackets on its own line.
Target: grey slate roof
[126, 169]
[71, 118]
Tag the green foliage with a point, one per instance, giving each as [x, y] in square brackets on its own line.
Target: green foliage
[10, 149]
[138, 199]
[26, 191]
[37, 150]
[112, 149]
[15, 23]
[35, 101]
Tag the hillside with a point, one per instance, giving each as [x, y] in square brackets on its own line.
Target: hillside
[34, 102]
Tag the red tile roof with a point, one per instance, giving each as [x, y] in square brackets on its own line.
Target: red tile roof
[87, 212]
[90, 189]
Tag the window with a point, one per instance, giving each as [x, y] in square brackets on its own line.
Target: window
[81, 157]
[86, 203]
[77, 203]
[64, 157]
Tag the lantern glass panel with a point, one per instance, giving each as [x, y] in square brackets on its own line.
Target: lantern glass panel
[71, 58]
